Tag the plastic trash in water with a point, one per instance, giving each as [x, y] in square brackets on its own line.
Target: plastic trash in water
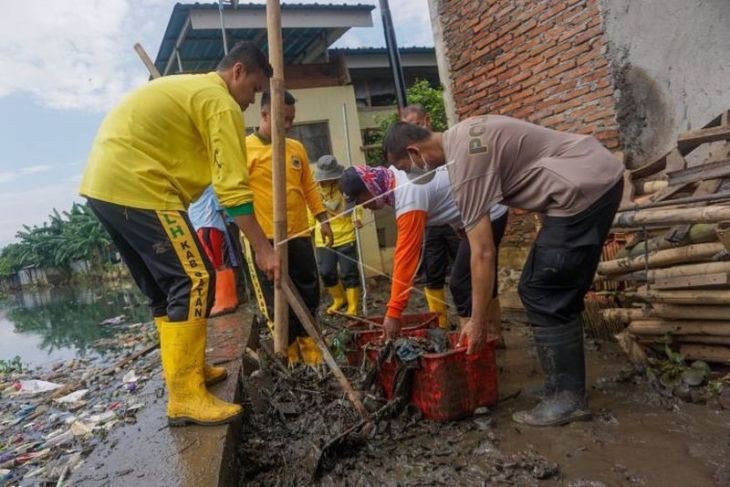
[73, 397]
[59, 439]
[116, 320]
[102, 418]
[35, 386]
[80, 428]
[130, 380]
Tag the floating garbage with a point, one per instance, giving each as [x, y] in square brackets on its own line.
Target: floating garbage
[46, 431]
[73, 397]
[80, 428]
[130, 380]
[102, 418]
[35, 386]
[115, 321]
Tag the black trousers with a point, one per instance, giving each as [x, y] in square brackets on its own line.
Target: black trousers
[441, 245]
[164, 257]
[563, 260]
[460, 280]
[346, 257]
[303, 273]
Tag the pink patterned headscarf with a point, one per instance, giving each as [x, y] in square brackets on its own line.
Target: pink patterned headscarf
[380, 181]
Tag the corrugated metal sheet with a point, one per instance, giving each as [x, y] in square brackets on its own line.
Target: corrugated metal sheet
[203, 49]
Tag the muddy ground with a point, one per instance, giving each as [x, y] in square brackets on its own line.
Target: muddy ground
[639, 435]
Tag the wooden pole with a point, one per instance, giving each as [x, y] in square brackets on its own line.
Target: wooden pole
[708, 353]
[300, 309]
[684, 327]
[709, 296]
[708, 214]
[676, 271]
[710, 340]
[670, 311]
[278, 135]
[701, 233]
[679, 255]
[154, 72]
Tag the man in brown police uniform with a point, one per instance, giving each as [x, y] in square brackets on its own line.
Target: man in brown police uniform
[575, 183]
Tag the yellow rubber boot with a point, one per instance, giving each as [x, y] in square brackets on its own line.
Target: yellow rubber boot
[353, 300]
[494, 324]
[212, 374]
[182, 347]
[436, 300]
[338, 298]
[310, 351]
[293, 355]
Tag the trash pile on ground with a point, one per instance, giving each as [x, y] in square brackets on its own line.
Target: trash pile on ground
[294, 417]
[51, 419]
[674, 267]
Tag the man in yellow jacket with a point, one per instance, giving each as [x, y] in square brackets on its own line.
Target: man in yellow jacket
[301, 195]
[344, 248]
[154, 153]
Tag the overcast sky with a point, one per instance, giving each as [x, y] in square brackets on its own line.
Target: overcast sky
[64, 63]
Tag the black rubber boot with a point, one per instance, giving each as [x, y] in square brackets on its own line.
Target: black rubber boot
[560, 349]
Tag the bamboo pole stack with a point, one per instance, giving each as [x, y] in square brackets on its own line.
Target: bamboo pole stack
[674, 270]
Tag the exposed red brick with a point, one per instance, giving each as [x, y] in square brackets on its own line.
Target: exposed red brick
[542, 61]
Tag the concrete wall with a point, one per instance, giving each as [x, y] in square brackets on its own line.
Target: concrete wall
[671, 63]
[325, 104]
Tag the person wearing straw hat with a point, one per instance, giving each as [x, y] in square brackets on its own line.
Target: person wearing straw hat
[344, 249]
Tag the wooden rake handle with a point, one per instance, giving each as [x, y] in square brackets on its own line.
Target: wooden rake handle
[300, 309]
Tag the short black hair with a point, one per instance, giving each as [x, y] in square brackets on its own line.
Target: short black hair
[249, 55]
[266, 99]
[399, 136]
[415, 108]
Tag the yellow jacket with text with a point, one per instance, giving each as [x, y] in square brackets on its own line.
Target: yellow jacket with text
[165, 142]
[301, 190]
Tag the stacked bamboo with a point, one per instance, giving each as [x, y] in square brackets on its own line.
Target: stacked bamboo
[674, 269]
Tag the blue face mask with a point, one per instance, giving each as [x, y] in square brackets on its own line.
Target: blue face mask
[419, 174]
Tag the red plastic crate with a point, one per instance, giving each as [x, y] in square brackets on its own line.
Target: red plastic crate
[364, 333]
[450, 385]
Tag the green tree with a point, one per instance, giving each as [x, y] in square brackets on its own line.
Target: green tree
[420, 92]
[10, 257]
[66, 237]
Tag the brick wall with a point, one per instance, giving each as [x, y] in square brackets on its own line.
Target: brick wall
[539, 60]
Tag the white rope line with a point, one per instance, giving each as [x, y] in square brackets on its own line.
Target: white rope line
[306, 232]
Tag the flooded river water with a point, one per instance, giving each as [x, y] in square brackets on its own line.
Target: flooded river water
[49, 325]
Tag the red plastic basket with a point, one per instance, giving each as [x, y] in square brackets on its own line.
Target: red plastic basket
[450, 385]
[364, 333]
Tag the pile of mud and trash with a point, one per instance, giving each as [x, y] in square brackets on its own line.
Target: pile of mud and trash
[52, 417]
[301, 429]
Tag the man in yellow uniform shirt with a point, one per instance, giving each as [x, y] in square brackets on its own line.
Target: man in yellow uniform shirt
[301, 194]
[154, 153]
